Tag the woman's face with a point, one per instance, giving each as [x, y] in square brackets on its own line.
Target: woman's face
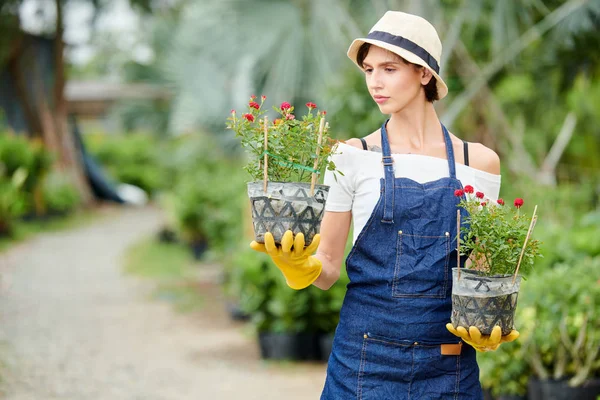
[392, 83]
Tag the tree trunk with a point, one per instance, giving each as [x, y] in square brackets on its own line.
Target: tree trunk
[70, 158]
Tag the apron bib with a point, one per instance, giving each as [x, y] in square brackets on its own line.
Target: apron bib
[393, 320]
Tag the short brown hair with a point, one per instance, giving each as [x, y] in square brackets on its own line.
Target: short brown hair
[431, 92]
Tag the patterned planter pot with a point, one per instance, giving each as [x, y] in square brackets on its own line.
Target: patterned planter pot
[286, 206]
[484, 301]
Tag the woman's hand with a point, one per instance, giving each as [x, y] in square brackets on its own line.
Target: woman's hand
[482, 342]
[294, 261]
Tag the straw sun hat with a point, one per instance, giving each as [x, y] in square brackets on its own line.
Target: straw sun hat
[409, 36]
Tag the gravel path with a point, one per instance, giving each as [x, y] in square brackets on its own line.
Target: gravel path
[72, 326]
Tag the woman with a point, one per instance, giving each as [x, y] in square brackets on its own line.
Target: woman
[398, 189]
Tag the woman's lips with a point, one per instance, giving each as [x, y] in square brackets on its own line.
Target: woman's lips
[380, 99]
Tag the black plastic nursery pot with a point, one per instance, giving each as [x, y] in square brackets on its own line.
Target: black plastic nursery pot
[286, 206]
[539, 389]
[484, 301]
[289, 346]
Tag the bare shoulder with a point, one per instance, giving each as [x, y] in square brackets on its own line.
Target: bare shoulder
[484, 158]
[372, 140]
[354, 142]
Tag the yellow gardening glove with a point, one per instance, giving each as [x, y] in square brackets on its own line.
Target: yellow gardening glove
[482, 342]
[297, 264]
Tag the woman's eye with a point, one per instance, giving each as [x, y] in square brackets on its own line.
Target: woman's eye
[368, 70]
[389, 70]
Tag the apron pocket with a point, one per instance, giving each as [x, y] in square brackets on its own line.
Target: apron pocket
[400, 370]
[421, 268]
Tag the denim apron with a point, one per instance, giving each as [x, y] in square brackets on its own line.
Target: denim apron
[393, 320]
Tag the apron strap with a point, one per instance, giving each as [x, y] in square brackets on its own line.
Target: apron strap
[389, 181]
[449, 153]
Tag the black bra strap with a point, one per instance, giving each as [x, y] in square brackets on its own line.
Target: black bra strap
[364, 143]
[466, 147]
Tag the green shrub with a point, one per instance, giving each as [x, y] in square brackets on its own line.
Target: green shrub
[12, 198]
[559, 320]
[135, 159]
[60, 195]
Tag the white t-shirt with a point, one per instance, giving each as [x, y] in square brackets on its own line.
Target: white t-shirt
[358, 189]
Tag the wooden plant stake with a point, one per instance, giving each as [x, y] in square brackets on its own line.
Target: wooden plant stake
[531, 225]
[265, 176]
[458, 243]
[313, 180]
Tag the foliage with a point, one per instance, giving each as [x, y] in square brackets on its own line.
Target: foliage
[263, 293]
[506, 370]
[494, 234]
[59, 194]
[19, 153]
[295, 148]
[208, 193]
[560, 321]
[296, 51]
[12, 201]
[134, 159]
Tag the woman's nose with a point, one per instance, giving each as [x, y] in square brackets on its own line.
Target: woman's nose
[374, 81]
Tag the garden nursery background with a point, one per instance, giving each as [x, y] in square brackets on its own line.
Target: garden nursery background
[110, 108]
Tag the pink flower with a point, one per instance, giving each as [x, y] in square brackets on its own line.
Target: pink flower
[285, 105]
[290, 116]
[469, 189]
[253, 97]
[518, 202]
[311, 105]
[324, 112]
[232, 111]
[263, 97]
[459, 192]
[254, 104]
[479, 195]
[249, 117]
[501, 202]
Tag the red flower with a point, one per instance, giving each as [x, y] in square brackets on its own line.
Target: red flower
[484, 203]
[249, 117]
[290, 116]
[232, 111]
[324, 112]
[469, 189]
[459, 192]
[479, 195]
[254, 104]
[285, 105]
[253, 97]
[311, 105]
[518, 202]
[263, 97]
[501, 202]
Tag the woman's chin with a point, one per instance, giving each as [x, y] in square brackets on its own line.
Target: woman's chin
[385, 108]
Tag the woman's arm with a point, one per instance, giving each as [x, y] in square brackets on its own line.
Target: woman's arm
[334, 235]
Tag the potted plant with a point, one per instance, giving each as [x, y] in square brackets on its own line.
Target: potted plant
[496, 238]
[560, 327]
[286, 157]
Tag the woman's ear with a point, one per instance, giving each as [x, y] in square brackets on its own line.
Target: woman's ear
[426, 76]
